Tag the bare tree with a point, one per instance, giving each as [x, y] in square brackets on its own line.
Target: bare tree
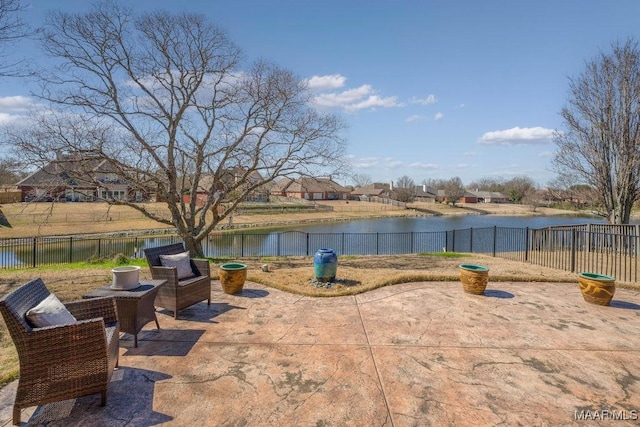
[601, 145]
[436, 184]
[162, 98]
[12, 29]
[565, 189]
[11, 172]
[454, 190]
[487, 184]
[361, 180]
[518, 188]
[404, 190]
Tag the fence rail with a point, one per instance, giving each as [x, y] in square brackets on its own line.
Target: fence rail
[574, 248]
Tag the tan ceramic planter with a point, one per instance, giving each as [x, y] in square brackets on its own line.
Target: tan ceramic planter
[597, 288]
[474, 278]
[232, 277]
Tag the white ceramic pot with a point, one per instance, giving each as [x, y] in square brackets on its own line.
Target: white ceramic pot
[127, 277]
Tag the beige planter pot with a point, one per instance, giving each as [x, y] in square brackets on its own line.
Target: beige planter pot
[232, 277]
[597, 288]
[474, 278]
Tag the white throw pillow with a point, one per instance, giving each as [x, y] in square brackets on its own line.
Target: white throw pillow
[50, 312]
[181, 261]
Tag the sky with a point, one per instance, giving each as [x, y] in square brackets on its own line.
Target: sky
[428, 89]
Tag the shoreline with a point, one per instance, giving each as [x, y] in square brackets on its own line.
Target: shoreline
[339, 211]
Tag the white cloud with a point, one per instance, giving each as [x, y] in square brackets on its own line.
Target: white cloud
[395, 164]
[438, 116]
[469, 153]
[351, 100]
[13, 109]
[518, 136]
[16, 103]
[462, 165]
[345, 98]
[412, 118]
[459, 106]
[6, 119]
[332, 81]
[365, 162]
[425, 166]
[545, 154]
[430, 99]
[372, 102]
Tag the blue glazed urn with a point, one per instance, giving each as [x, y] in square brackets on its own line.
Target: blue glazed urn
[325, 265]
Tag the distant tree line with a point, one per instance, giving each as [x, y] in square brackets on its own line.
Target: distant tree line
[519, 189]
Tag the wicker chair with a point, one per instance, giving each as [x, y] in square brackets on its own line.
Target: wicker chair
[64, 361]
[177, 294]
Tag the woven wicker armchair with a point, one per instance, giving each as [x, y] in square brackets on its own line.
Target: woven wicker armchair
[64, 361]
[177, 294]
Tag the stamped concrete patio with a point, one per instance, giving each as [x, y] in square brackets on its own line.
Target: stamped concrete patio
[416, 354]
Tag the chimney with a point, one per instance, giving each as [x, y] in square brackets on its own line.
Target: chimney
[424, 188]
[391, 185]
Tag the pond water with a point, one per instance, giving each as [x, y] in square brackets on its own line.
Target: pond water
[441, 223]
[415, 234]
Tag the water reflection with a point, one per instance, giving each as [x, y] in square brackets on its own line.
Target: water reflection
[368, 236]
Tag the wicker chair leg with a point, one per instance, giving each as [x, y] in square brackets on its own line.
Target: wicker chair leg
[16, 415]
[175, 314]
[104, 398]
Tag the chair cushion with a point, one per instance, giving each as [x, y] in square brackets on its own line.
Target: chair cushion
[181, 261]
[49, 312]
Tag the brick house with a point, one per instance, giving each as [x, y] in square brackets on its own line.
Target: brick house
[308, 188]
[491, 197]
[373, 192]
[229, 179]
[67, 179]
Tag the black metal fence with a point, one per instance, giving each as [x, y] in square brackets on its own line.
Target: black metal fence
[611, 250]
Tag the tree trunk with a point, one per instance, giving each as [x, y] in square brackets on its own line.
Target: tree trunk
[193, 246]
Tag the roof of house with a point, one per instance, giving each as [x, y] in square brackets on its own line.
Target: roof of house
[489, 194]
[64, 172]
[207, 180]
[281, 185]
[467, 194]
[375, 189]
[309, 185]
[425, 191]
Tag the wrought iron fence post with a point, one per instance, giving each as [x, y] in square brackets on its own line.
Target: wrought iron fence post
[35, 248]
[636, 239]
[574, 237]
[70, 249]
[411, 248]
[526, 244]
[495, 237]
[471, 239]
[278, 244]
[453, 243]
[377, 241]
[307, 249]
